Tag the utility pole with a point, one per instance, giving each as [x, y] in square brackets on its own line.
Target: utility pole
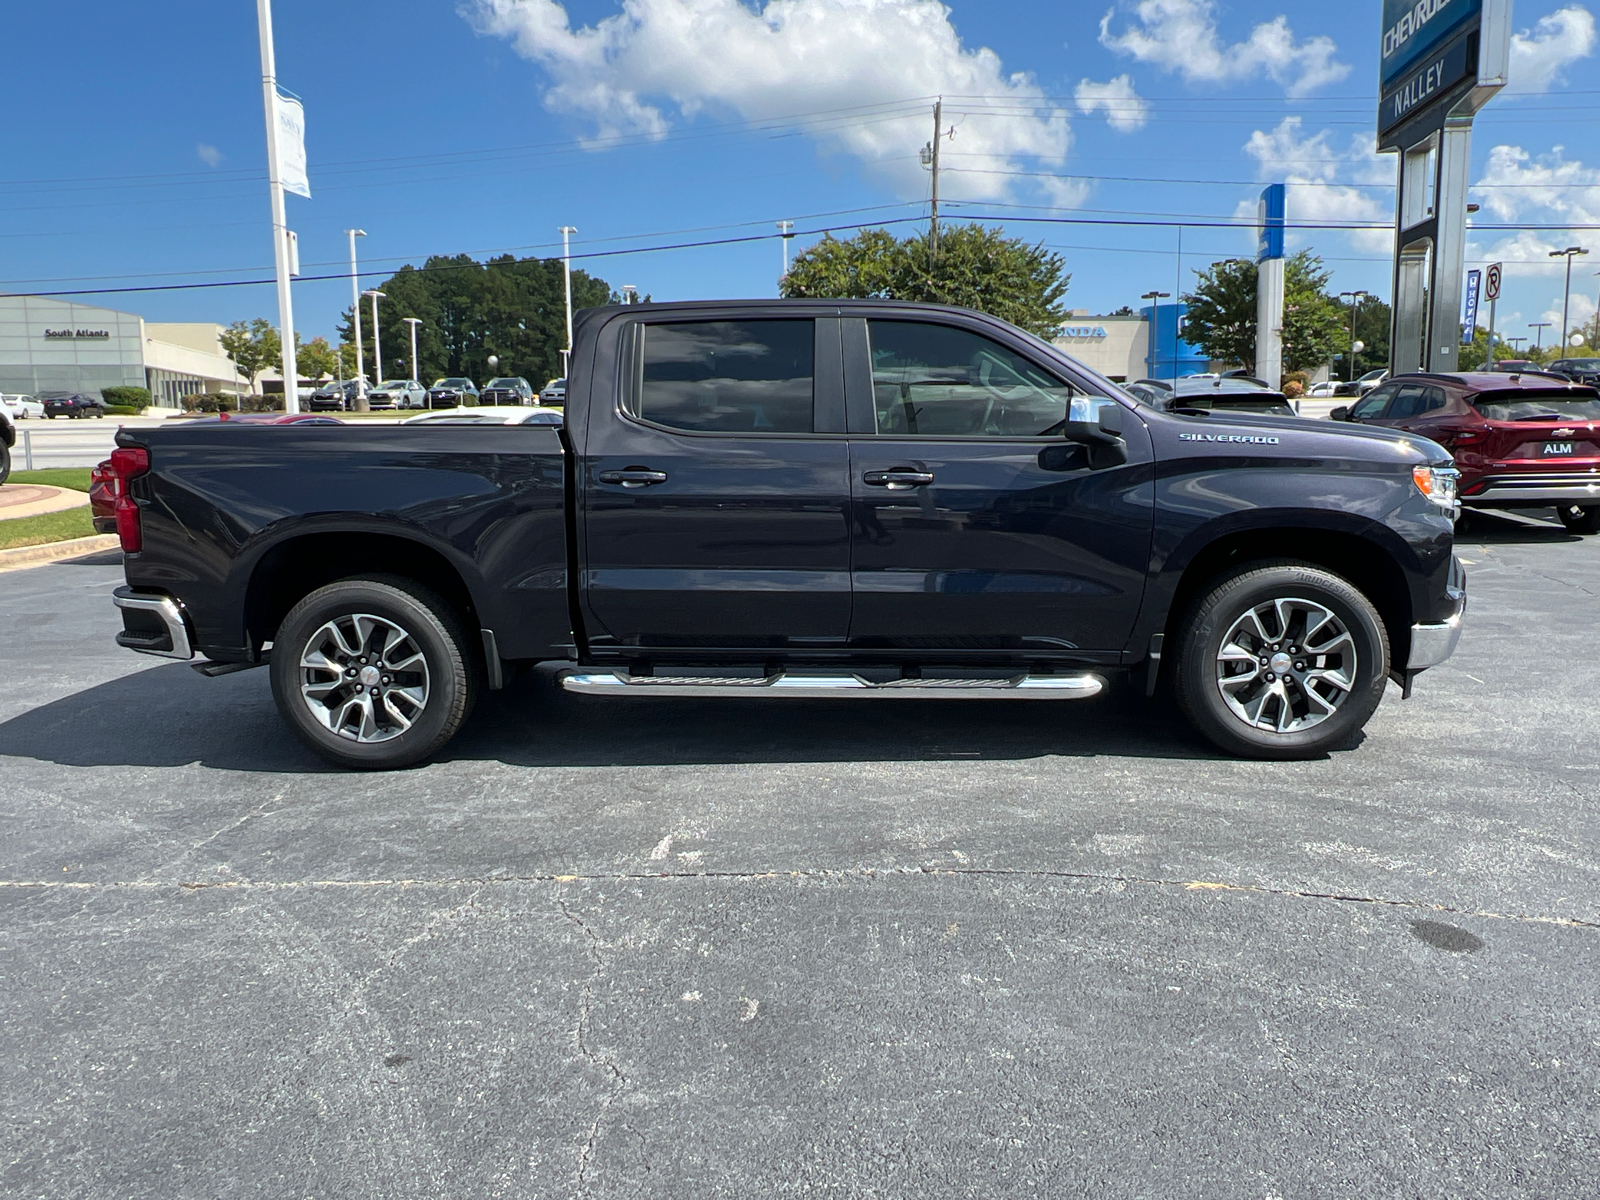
[280, 221]
[377, 345]
[783, 236]
[566, 266]
[933, 217]
[414, 322]
[1566, 292]
[355, 319]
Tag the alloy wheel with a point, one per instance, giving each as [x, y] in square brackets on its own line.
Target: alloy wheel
[1286, 665]
[364, 677]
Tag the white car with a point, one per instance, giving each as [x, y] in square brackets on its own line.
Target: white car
[398, 393]
[22, 407]
[1322, 390]
[488, 416]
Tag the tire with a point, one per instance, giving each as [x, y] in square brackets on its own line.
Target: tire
[5, 462]
[1580, 518]
[1326, 704]
[363, 614]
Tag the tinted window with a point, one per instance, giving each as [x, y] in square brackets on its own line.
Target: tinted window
[1569, 404]
[1413, 400]
[1372, 405]
[936, 379]
[725, 376]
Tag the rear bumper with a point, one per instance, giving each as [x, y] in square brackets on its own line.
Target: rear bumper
[1432, 644]
[153, 623]
[1567, 487]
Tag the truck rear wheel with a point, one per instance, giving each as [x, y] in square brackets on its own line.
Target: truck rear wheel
[1281, 660]
[373, 673]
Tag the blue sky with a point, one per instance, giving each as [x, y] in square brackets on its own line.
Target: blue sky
[132, 150]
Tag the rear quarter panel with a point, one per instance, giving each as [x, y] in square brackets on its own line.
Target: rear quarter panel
[489, 499]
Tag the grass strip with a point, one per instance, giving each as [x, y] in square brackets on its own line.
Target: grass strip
[74, 478]
[46, 528]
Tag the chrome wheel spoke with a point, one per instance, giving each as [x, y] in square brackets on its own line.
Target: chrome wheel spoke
[1301, 664]
[350, 685]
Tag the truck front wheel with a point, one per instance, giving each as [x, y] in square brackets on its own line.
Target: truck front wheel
[373, 673]
[1281, 660]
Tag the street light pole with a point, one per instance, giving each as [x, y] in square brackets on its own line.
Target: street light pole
[355, 314]
[1355, 300]
[1155, 308]
[783, 236]
[280, 220]
[1566, 292]
[1541, 326]
[377, 340]
[414, 322]
[566, 267]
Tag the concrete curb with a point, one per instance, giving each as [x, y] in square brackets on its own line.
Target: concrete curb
[36, 556]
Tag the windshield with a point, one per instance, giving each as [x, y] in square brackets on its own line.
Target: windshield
[455, 383]
[1572, 404]
[502, 383]
[1581, 364]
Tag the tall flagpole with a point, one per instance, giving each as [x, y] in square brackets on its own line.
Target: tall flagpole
[280, 221]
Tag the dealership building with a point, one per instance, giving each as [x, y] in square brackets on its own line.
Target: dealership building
[50, 345]
[1143, 345]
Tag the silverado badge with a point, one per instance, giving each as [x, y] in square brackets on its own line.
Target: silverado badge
[1249, 438]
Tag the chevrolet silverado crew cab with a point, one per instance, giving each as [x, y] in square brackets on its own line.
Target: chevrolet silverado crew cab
[762, 500]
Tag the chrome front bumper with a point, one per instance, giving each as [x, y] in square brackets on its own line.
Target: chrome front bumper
[170, 639]
[1432, 644]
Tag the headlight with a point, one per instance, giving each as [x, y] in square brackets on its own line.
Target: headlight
[1438, 484]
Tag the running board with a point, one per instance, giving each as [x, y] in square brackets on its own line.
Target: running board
[828, 687]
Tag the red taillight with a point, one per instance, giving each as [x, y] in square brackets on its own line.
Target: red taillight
[125, 463]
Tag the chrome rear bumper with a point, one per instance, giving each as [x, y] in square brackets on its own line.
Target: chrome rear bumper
[169, 638]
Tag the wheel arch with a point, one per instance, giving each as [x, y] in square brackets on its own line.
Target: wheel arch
[295, 566]
[1367, 561]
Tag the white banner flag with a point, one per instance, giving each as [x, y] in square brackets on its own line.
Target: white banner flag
[292, 146]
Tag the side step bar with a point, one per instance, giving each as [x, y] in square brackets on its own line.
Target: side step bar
[788, 685]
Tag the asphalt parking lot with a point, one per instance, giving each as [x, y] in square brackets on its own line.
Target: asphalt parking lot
[712, 950]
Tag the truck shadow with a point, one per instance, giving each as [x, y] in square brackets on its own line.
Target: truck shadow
[169, 716]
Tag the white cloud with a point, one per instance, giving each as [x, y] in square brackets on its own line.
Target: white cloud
[1125, 111]
[1325, 182]
[210, 155]
[1516, 184]
[656, 62]
[1555, 43]
[1181, 36]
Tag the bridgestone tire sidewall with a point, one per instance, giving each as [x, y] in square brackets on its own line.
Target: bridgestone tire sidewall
[1209, 621]
[437, 631]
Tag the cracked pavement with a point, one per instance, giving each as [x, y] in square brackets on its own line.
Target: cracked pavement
[931, 949]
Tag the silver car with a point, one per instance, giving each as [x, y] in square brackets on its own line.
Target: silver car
[398, 393]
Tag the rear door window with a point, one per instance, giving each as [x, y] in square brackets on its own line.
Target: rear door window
[1413, 400]
[724, 376]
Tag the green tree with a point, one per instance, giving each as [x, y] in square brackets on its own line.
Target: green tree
[314, 359]
[253, 346]
[974, 267]
[1221, 316]
[513, 308]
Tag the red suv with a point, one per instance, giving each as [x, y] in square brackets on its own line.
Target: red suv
[1520, 441]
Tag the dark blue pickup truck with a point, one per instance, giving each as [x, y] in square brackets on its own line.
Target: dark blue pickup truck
[769, 499]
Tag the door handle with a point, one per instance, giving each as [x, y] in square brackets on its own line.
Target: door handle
[901, 477]
[634, 477]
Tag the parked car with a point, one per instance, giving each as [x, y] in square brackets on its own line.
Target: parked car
[1362, 384]
[1149, 391]
[8, 439]
[275, 418]
[1215, 393]
[1515, 366]
[554, 393]
[1579, 370]
[508, 390]
[1524, 441]
[954, 509]
[488, 416]
[398, 393]
[454, 392]
[339, 396]
[71, 404]
[22, 407]
[1322, 391]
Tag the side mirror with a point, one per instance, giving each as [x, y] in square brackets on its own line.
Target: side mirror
[1342, 413]
[1106, 449]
